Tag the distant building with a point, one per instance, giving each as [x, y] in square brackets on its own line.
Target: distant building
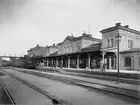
[37, 51]
[40, 51]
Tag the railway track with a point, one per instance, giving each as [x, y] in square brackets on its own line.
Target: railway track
[109, 89]
[54, 99]
[7, 93]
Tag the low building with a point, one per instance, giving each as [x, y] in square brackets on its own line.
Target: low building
[38, 51]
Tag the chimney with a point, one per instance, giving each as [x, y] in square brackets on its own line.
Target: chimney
[54, 44]
[126, 26]
[37, 45]
[118, 24]
[84, 34]
[72, 35]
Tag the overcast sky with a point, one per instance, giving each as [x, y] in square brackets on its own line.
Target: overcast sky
[26, 23]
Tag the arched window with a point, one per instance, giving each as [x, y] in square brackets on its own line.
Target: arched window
[108, 43]
[112, 42]
[64, 49]
[78, 47]
[131, 43]
[71, 48]
[68, 49]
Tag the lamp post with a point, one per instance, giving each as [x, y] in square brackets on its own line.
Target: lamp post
[118, 39]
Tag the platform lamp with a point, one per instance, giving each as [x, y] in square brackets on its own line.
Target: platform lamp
[118, 39]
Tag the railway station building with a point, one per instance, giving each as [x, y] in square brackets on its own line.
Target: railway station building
[88, 52]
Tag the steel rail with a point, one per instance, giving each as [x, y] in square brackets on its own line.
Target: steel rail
[73, 81]
[53, 98]
[8, 94]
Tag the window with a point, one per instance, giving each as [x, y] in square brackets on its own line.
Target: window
[139, 60]
[112, 42]
[68, 49]
[127, 61]
[64, 49]
[71, 49]
[108, 43]
[130, 43]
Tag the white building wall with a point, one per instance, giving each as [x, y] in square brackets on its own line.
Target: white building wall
[125, 36]
[137, 42]
[65, 47]
[108, 35]
[52, 50]
[59, 49]
[124, 40]
[135, 61]
[77, 45]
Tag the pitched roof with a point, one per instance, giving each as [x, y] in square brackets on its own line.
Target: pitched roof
[84, 36]
[87, 38]
[59, 43]
[93, 47]
[53, 54]
[131, 50]
[70, 38]
[52, 46]
[36, 47]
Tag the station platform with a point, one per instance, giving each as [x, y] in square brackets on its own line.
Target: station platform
[107, 70]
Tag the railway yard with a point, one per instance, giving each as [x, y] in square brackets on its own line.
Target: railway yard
[31, 87]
